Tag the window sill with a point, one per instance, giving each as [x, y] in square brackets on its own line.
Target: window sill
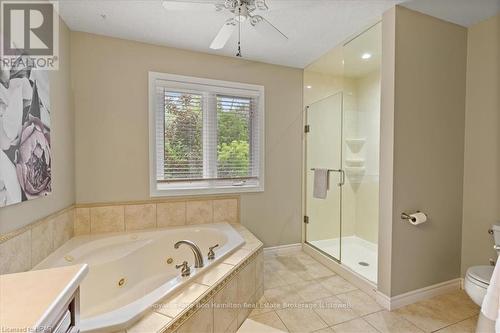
[165, 191]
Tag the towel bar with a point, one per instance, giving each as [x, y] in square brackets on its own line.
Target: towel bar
[342, 174]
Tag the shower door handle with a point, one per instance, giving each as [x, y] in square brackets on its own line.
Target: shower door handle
[342, 177]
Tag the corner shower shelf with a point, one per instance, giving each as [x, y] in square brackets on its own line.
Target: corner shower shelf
[355, 174]
[355, 170]
[355, 162]
[355, 144]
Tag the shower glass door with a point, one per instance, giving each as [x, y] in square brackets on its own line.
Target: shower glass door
[324, 151]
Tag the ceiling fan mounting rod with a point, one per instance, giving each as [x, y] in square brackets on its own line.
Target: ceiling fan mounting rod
[244, 11]
[248, 5]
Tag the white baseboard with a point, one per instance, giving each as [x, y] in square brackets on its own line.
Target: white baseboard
[283, 248]
[392, 303]
[383, 300]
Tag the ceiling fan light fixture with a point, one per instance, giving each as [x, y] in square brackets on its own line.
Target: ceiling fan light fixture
[242, 11]
[242, 14]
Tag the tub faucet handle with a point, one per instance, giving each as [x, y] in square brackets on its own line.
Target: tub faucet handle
[211, 253]
[185, 270]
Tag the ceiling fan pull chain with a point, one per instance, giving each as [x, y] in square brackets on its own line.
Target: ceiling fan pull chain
[239, 34]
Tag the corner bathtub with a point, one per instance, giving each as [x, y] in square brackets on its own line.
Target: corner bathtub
[130, 272]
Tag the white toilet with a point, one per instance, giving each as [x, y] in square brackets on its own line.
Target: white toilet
[477, 278]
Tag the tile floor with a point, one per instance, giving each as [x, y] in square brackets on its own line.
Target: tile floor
[335, 305]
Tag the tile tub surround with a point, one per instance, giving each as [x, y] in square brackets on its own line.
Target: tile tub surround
[218, 301]
[335, 305]
[132, 216]
[24, 248]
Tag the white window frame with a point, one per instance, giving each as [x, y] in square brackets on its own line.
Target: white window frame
[200, 187]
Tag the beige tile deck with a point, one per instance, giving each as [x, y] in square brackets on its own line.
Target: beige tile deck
[215, 274]
[237, 256]
[178, 302]
[335, 305]
[152, 322]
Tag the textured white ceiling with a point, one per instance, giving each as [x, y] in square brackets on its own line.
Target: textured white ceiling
[461, 12]
[312, 26]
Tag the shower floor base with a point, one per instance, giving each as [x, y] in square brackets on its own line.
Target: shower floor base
[357, 254]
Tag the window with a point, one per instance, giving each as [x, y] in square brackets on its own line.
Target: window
[206, 136]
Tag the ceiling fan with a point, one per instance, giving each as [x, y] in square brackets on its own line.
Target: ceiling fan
[241, 11]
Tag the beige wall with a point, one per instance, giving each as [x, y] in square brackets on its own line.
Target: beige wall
[110, 78]
[62, 144]
[386, 190]
[428, 130]
[482, 143]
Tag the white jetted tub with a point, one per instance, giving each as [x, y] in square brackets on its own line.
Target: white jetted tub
[130, 272]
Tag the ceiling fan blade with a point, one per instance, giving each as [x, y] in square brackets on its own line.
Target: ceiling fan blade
[265, 28]
[223, 35]
[190, 5]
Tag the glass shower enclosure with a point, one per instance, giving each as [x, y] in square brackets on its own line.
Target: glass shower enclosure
[342, 93]
[324, 121]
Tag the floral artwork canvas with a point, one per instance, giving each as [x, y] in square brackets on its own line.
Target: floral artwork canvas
[25, 153]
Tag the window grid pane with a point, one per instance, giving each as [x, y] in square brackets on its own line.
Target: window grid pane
[183, 135]
[233, 137]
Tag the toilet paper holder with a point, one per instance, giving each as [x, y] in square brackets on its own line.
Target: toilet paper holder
[408, 217]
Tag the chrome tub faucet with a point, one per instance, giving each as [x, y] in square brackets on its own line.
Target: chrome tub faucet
[198, 257]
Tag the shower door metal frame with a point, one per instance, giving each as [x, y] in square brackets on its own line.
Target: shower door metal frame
[341, 169]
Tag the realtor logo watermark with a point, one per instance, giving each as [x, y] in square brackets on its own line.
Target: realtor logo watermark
[30, 35]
